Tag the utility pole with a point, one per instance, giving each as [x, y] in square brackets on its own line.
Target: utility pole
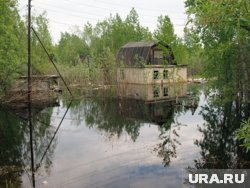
[29, 62]
[29, 95]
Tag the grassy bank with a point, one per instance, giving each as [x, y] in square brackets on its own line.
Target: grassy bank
[80, 75]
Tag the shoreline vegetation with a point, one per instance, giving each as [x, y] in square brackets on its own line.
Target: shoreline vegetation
[215, 45]
[87, 54]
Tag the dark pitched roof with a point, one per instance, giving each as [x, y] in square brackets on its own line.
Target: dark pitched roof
[139, 44]
[130, 52]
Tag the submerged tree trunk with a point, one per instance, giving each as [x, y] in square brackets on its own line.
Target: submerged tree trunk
[244, 68]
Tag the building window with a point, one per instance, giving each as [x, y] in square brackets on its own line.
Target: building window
[165, 74]
[122, 74]
[165, 91]
[156, 75]
[156, 92]
[158, 57]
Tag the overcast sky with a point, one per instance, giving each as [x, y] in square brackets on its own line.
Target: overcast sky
[64, 14]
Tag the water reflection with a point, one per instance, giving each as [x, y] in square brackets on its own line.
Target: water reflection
[17, 138]
[11, 140]
[51, 145]
[133, 106]
[140, 137]
[219, 146]
[153, 93]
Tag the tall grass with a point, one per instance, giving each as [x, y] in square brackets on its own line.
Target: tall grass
[78, 75]
[9, 184]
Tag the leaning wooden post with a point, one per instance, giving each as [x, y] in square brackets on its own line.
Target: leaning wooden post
[29, 95]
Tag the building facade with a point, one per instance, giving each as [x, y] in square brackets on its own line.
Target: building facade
[148, 63]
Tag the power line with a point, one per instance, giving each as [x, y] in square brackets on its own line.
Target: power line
[68, 10]
[84, 16]
[91, 13]
[112, 4]
[51, 60]
[139, 8]
[63, 13]
[69, 24]
[78, 16]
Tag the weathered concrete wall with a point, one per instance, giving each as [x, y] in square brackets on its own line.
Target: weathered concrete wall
[38, 83]
[131, 75]
[22, 85]
[145, 75]
[153, 92]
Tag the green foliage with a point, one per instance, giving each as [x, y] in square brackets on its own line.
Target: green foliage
[221, 27]
[180, 51]
[38, 55]
[97, 46]
[165, 31]
[221, 30]
[91, 50]
[106, 63]
[140, 61]
[244, 133]
[71, 49]
[195, 52]
[218, 144]
[74, 75]
[114, 32]
[165, 34]
[11, 39]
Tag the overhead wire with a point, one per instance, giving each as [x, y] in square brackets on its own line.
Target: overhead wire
[70, 24]
[68, 9]
[78, 16]
[136, 7]
[125, 5]
[59, 126]
[91, 13]
[81, 16]
[112, 4]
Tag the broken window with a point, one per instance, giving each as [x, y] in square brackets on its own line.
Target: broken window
[156, 75]
[158, 57]
[165, 74]
[122, 74]
[156, 92]
[165, 91]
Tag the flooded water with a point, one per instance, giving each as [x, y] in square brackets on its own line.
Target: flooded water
[141, 136]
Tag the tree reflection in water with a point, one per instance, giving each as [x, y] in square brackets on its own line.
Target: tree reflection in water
[115, 116]
[169, 136]
[15, 147]
[107, 116]
[166, 149]
[12, 138]
[219, 146]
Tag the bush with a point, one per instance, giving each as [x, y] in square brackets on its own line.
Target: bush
[244, 133]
